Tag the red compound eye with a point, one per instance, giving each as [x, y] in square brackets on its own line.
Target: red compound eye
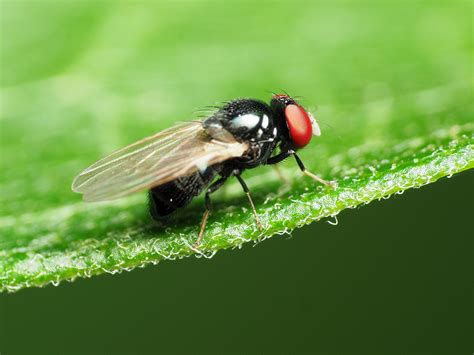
[299, 125]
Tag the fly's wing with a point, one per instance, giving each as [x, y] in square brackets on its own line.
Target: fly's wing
[178, 151]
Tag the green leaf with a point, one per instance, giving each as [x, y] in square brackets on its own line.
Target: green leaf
[395, 102]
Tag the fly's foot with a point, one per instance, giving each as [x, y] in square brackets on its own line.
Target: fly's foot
[331, 184]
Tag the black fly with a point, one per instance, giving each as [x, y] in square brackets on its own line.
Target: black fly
[179, 163]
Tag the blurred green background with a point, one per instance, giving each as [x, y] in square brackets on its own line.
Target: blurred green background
[80, 79]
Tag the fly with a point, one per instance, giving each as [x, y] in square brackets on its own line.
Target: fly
[183, 161]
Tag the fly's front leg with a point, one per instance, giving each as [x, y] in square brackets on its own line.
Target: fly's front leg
[247, 192]
[214, 186]
[278, 158]
[283, 155]
[310, 174]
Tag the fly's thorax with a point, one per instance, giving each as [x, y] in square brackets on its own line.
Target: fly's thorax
[249, 121]
[246, 119]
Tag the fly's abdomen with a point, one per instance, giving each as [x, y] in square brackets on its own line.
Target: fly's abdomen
[167, 198]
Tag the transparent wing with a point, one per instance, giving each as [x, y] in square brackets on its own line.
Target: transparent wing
[178, 151]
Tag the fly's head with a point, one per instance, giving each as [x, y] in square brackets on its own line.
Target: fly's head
[297, 124]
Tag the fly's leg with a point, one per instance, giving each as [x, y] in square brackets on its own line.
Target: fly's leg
[277, 159]
[247, 192]
[203, 221]
[283, 155]
[311, 175]
[214, 186]
[280, 174]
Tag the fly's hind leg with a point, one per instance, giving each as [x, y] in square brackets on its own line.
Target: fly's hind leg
[247, 192]
[214, 186]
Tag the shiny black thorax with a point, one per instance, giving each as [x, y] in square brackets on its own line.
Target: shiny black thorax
[260, 125]
[249, 121]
